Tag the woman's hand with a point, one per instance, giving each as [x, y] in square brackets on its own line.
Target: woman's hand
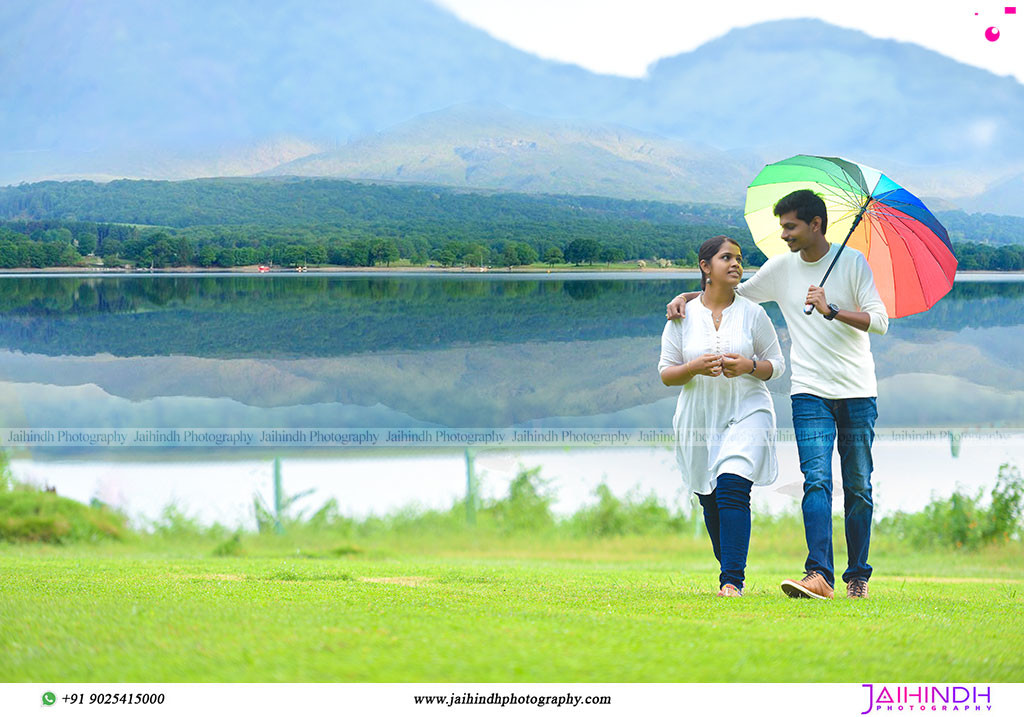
[707, 365]
[734, 365]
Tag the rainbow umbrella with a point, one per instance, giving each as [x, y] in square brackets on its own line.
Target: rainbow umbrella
[906, 247]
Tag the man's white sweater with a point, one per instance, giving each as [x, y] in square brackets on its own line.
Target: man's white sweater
[828, 358]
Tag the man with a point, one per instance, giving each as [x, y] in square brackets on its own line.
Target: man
[833, 377]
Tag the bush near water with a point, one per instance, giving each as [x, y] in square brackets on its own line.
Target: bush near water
[962, 521]
[28, 514]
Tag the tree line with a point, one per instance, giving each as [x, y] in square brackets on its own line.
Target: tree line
[69, 244]
[240, 222]
[293, 223]
[116, 245]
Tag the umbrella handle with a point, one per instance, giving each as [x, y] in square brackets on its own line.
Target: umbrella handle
[809, 309]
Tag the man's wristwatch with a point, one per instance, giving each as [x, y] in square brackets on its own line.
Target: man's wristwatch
[833, 310]
[755, 365]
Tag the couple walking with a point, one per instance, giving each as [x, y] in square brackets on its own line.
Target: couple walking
[721, 347]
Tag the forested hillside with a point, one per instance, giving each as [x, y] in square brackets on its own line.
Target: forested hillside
[289, 222]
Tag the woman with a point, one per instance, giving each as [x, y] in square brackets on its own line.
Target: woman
[721, 354]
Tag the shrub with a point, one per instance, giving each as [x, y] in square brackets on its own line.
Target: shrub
[267, 520]
[231, 547]
[31, 515]
[414, 519]
[630, 516]
[6, 479]
[527, 505]
[175, 523]
[1004, 516]
[962, 521]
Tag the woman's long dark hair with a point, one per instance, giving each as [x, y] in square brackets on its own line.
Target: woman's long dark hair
[707, 252]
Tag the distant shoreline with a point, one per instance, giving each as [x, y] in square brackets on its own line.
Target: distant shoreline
[535, 272]
[591, 269]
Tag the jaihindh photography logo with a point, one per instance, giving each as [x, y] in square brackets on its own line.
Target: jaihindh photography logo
[928, 698]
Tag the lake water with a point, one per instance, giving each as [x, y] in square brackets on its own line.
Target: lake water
[421, 362]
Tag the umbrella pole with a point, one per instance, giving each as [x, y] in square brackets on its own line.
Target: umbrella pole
[810, 309]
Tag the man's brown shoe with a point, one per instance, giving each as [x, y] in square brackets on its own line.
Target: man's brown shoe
[813, 585]
[730, 590]
[857, 588]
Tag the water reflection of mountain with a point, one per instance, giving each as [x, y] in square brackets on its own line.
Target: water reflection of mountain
[484, 385]
[293, 317]
[453, 352]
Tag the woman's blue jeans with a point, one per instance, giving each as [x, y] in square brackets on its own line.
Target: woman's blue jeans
[818, 422]
[727, 518]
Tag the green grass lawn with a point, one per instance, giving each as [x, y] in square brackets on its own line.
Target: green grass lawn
[493, 609]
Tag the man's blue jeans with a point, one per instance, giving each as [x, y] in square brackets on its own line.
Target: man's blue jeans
[727, 518]
[818, 421]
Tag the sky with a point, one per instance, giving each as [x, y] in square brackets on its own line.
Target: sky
[622, 37]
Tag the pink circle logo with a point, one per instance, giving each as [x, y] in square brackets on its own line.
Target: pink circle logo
[992, 33]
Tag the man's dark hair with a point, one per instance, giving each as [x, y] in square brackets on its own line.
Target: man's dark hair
[806, 204]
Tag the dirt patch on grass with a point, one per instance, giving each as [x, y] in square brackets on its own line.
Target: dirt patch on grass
[411, 580]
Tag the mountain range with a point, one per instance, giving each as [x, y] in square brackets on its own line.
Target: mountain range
[403, 90]
[492, 147]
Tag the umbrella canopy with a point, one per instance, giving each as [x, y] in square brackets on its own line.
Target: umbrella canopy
[907, 248]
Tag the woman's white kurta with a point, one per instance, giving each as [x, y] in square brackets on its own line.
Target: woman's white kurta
[723, 425]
